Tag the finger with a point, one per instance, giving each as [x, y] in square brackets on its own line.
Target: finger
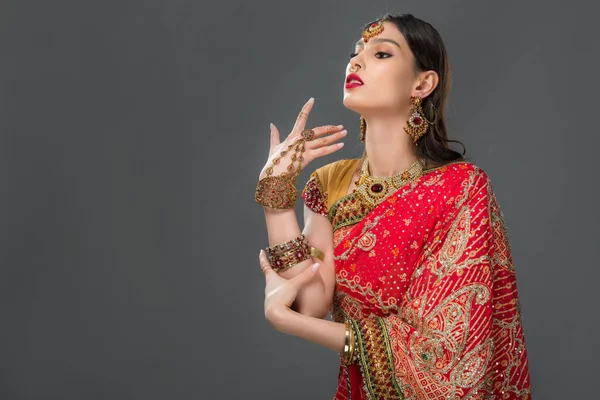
[274, 136]
[326, 140]
[321, 131]
[265, 265]
[306, 275]
[302, 117]
[323, 151]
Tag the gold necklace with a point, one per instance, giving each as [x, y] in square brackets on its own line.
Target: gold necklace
[376, 189]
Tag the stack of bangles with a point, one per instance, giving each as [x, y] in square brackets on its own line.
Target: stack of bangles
[286, 255]
[349, 356]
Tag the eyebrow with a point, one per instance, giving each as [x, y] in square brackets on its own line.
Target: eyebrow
[361, 43]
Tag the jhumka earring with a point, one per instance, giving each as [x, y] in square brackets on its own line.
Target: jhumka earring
[417, 124]
[363, 128]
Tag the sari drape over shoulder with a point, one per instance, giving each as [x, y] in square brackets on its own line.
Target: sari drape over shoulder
[427, 280]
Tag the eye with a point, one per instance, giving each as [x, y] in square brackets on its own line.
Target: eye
[353, 54]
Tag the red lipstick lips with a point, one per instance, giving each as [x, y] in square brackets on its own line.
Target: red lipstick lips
[353, 80]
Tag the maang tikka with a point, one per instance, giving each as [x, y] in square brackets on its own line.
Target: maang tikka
[372, 30]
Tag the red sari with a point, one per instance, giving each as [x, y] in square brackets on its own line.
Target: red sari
[427, 280]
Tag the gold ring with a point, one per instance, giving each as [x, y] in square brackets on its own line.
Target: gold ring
[303, 114]
[308, 134]
[264, 267]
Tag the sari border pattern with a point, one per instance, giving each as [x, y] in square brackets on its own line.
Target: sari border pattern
[376, 358]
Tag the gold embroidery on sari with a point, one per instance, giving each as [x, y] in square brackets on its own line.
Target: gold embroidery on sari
[474, 364]
[444, 330]
[371, 224]
[347, 211]
[345, 306]
[367, 241]
[376, 359]
[441, 342]
[455, 245]
[349, 243]
[502, 255]
[340, 234]
[390, 305]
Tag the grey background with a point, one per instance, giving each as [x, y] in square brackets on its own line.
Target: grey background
[131, 136]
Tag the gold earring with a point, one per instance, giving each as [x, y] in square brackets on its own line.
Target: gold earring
[363, 128]
[417, 124]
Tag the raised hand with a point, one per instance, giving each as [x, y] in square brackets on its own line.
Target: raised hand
[319, 142]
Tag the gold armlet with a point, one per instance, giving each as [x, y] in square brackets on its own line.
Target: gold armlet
[317, 253]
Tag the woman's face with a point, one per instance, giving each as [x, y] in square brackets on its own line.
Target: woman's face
[385, 65]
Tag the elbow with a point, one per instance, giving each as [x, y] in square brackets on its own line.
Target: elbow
[321, 314]
[321, 311]
[314, 311]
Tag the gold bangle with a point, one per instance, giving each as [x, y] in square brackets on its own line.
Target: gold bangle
[352, 346]
[317, 253]
[346, 352]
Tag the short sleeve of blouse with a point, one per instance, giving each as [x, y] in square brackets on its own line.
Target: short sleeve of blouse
[315, 195]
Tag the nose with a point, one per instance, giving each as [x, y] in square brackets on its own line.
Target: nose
[355, 63]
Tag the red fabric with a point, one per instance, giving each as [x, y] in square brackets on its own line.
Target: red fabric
[428, 282]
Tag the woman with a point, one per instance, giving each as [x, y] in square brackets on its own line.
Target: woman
[413, 258]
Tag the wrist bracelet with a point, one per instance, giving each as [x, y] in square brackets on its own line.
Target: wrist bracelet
[286, 255]
[280, 191]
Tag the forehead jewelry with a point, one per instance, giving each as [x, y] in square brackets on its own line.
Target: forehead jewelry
[372, 30]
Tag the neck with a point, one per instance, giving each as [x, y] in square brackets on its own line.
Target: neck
[389, 148]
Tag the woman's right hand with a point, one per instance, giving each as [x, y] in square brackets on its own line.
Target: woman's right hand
[323, 143]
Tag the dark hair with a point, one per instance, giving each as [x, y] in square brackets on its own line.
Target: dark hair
[429, 53]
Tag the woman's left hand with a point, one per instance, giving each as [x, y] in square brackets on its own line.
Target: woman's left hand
[280, 293]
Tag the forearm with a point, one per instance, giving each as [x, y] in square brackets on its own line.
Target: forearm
[326, 333]
[312, 300]
[282, 225]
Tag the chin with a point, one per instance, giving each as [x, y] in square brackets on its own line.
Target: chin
[353, 102]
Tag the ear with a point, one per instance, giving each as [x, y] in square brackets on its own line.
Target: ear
[426, 83]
